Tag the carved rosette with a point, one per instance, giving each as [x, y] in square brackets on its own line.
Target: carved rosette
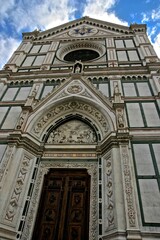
[73, 107]
[75, 88]
[44, 168]
[128, 187]
[109, 198]
[14, 201]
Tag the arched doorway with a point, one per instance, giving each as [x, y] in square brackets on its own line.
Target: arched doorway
[70, 133]
[63, 212]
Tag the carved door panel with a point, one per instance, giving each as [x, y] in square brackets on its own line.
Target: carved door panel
[64, 206]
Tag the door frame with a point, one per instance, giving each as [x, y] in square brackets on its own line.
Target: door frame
[92, 169]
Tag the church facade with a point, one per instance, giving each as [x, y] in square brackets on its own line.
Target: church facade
[80, 135]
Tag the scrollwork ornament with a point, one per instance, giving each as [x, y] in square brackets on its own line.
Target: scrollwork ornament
[128, 187]
[13, 204]
[67, 107]
[109, 200]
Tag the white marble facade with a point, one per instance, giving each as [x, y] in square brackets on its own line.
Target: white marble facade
[83, 96]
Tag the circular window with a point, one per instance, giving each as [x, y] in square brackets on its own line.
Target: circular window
[81, 54]
[84, 51]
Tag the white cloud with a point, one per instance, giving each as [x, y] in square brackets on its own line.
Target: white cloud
[25, 15]
[7, 45]
[152, 31]
[155, 14]
[22, 15]
[45, 14]
[156, 41]
[156, 44]
[54, 13]
[101, 10]
[6, 6]
[145, 17]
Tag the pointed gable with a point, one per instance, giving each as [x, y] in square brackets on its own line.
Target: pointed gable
[83, 27]
[76, 97]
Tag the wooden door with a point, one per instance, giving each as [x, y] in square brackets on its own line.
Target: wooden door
[63, 212]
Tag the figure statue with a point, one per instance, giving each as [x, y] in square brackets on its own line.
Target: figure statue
[51, 137]
[77, 67]
[34, 92]
[120, 120]
[21, 120]
[116, 89]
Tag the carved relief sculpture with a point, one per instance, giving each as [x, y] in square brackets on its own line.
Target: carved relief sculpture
[78, 67]
[8, 157]
[116, 89]
[76, 88]
[128, 187]
[71, 106]
[74, 131]
[116, 93]
[120, 118]
[21, 120]
[13, 204]
[109, 201]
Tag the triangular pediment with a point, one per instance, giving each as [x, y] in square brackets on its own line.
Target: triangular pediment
[76, 96]
[81, 28]
[84, 31]
[75, 87]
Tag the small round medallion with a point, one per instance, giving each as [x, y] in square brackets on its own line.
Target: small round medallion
[74, 89]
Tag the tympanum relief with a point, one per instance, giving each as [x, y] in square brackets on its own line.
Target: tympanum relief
[74, 131]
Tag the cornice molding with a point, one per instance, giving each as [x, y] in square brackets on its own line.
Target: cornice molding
[38, 35]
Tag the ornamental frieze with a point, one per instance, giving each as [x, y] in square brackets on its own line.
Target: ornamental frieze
[69, 155]
[128, 187]
[8, 157]
[71, 107]
[109, 197]
[14, 201]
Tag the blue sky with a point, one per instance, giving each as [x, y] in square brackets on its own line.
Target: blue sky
[18, 16]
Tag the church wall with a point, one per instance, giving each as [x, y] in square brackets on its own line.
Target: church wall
[16, 170]
[116, 95]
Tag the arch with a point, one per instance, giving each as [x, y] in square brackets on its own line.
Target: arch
[100, 119]
[72, 129]
[139, 77]
[45, 166]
